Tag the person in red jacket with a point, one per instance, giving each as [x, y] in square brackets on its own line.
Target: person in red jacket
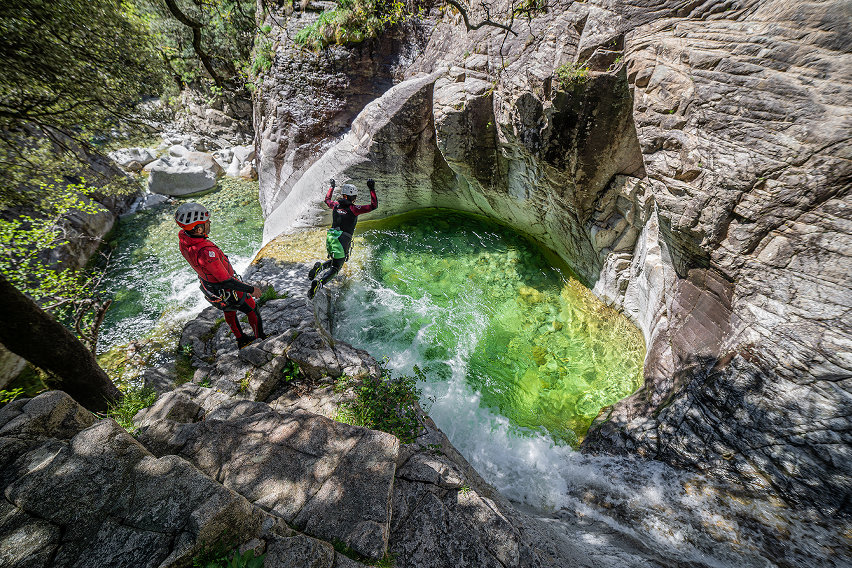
[219, 283]
[344, 216]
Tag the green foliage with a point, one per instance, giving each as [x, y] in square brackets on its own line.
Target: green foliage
[262, 57]
[270, 294]
[352, 21]
[245, 382]
[386, 403]
[10, 395]
[69, 63]
[290, 371]
[228, 31]
[135, 399]
[530, 8]
[184, 370]
[221, 555]
[569, 74]
[26, 241]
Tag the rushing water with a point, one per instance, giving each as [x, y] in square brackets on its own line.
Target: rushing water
[479, 307]
[518, 356]
[148, 277]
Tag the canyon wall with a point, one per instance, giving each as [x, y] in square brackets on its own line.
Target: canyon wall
[690, 161]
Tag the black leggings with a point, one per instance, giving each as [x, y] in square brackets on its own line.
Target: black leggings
[330, 269]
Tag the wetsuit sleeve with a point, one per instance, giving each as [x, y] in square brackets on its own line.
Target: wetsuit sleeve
[374, 202]
[328, 201]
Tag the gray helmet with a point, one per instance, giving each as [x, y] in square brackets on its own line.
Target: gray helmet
[189, 215]
[349, 189]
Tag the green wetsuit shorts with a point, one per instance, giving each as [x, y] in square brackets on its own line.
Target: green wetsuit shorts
[333, 245]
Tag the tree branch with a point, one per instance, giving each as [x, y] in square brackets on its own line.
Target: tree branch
[486, 22]
[196, 40]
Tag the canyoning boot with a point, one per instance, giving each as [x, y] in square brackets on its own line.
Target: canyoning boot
[313, 271]
[315, 285]
[245, 340]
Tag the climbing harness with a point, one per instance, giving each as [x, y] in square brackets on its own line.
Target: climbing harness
[222, 298]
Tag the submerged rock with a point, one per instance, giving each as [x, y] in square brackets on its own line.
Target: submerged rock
[180, 176]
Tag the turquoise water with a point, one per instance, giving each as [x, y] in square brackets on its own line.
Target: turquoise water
[475, 305]
[148, 277]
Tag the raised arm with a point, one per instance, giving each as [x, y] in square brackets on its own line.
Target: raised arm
[374, 201]
[328, 200]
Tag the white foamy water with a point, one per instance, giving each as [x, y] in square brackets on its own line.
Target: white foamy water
[681, 517]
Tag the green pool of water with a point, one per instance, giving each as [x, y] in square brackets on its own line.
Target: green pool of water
[466, 299]
[148, 277]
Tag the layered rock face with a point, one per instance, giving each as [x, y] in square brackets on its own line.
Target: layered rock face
[693, 168]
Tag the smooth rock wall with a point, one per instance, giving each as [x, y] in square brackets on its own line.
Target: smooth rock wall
[307, 101]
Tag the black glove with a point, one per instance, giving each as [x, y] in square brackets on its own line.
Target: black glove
[332, 183]
[371, 184]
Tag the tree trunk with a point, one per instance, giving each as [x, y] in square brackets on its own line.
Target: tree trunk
[31, 333]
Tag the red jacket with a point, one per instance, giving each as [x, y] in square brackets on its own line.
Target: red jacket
[209, 262]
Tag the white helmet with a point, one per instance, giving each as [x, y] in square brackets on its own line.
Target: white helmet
[189, 215]
[349, 189]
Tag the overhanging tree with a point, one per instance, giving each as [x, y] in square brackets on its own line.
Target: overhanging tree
[69, 70]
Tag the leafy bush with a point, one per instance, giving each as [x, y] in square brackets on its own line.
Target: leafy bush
[571, 74]
[290, 371]
[386, 403]
[26, 243]
[270, 294]
[351, 22]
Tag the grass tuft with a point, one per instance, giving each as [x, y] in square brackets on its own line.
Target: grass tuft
[135, 399]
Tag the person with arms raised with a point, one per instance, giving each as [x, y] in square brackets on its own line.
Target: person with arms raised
[344, 217]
